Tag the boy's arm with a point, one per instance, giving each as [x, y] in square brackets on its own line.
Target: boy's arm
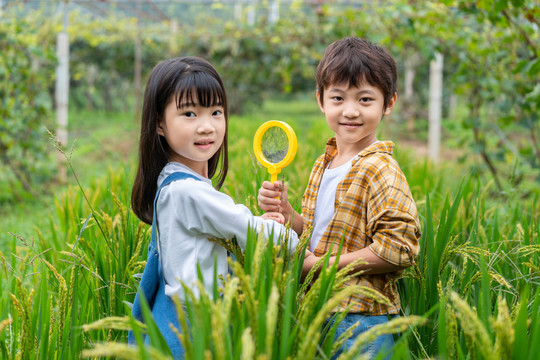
[372, 263]
[273, 197]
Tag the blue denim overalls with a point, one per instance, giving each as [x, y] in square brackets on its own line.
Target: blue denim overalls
[152, 286]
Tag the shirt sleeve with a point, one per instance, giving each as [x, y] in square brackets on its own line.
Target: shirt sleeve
[393, 221]
[205, 210]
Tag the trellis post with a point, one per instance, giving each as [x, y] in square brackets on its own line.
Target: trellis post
[62, 91]
[435, 106]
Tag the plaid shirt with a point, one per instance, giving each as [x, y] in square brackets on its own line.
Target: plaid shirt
[373, 207]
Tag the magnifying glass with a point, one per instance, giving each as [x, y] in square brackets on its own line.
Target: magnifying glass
[275, 146]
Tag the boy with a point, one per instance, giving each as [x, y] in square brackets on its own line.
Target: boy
[356, 190]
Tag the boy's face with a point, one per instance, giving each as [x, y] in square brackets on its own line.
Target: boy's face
[354, 113]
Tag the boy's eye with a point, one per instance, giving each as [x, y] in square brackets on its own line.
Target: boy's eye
[337, 98]
[365, 99]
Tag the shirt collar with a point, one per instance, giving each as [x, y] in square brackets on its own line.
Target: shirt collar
[377, 147]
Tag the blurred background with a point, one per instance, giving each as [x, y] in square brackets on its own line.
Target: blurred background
[468, 93]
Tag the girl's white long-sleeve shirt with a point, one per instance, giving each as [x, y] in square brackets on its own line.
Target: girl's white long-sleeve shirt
[189, 212]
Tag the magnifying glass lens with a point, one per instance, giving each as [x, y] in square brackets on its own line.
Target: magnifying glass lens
[274, 145]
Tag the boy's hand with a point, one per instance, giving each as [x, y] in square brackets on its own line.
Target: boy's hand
[274, 216]
[273, 196]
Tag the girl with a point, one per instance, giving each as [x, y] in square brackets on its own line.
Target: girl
[183, 145]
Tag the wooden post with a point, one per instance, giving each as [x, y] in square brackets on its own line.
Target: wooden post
[62, 92]
[274, 12]
[251, 15]
[138, 65]
[407, 102]
[435, 106]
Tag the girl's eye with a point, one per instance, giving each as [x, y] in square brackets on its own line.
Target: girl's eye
[189, 114]
[217, 113]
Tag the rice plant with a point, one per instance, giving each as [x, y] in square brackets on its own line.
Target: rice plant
[473, 292]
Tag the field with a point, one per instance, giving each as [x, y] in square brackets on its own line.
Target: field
[67, 272]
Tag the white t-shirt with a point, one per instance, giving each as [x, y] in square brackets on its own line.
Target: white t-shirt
[324, 208]
[188, 213]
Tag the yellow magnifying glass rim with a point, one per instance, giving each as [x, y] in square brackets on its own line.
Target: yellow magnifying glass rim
[275, 169]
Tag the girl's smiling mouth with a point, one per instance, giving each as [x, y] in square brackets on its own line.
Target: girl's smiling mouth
[204, 143]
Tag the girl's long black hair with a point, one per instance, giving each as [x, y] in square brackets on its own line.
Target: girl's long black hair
[184, 78]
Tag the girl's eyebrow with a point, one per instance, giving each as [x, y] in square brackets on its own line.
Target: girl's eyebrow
[186, 104]
[193, 104]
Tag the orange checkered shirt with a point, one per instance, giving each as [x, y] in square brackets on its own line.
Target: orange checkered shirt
[373, 207]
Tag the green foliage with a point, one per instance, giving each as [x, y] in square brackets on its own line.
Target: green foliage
[25, 108]
[490, 51]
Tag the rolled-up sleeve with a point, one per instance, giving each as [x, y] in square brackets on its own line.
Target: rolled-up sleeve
[393, 221]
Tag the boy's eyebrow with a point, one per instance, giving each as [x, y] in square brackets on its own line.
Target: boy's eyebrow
[361, 91]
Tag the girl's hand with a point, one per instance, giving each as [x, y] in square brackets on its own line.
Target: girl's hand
[273, 196]
[274, 216]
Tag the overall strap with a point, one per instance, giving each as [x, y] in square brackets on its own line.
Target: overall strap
[152, 286]
[173, 177]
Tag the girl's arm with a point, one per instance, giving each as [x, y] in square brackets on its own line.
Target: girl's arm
[204, 210]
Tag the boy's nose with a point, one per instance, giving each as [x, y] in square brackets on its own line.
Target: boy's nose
[351, 111]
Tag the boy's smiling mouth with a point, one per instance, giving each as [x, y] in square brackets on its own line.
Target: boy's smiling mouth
[351, 124]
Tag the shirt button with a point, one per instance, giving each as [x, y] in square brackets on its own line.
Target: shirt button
[340, 199]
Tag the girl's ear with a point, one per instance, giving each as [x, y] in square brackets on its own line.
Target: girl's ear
[391, 105]
[160, 129]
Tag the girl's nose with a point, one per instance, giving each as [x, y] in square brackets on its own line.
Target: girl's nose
[206, 125]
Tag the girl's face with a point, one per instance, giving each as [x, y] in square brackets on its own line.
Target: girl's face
[194, 133]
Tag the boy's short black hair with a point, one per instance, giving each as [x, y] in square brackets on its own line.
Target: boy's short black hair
[353, 60]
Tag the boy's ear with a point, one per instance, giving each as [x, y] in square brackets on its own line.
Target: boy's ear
[319, 101]
[390, 105]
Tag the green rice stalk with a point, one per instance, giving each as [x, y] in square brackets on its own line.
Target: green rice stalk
[338, 343]
[62, 297]
[140, 235]
[451, 332]
[472, 326]
[247, 290]
[122, 351]
[182, 319]
[528, 250]
[248, 345]
[229, 295]
[112, 293]
[393, 326]
[308, 345]
[271, 319]
[260, 246]
[503, 327]
[52, 319]
[4, 323]
[219, 324]
[122, 210]
[112, 322]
